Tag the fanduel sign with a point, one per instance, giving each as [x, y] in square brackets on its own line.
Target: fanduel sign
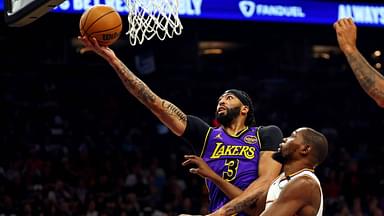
[250, 8]
[318, 12]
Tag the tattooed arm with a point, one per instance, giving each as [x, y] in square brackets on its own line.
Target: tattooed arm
[369, 78]
[167, 112]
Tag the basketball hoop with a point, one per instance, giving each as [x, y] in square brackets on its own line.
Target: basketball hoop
[149, 18]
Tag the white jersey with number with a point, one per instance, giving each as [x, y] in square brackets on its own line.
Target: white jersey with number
[281, 181]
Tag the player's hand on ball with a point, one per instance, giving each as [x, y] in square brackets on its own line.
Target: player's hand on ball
[91, 44]
[88, 46]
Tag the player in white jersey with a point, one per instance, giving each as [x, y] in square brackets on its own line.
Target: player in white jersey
[297, 191]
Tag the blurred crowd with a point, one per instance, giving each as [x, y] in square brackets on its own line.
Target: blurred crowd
[76, 143]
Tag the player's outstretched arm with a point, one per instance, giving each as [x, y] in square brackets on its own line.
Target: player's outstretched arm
[369, 78]
[301, 192]
[167, 112]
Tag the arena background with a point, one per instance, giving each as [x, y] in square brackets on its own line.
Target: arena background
[75, 142]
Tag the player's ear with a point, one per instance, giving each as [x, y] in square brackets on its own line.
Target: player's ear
[244, 109]
[306, 149]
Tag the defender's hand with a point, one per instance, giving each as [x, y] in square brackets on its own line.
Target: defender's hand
[202, 168]
[346, 32]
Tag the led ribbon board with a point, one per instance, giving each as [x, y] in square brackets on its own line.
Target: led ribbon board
[280, 11]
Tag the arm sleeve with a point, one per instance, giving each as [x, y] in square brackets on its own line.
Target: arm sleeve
[270, 138]
[195, 132]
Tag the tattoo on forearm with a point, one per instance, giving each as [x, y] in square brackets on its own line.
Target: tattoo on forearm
[173, 110]
[366, 75]
[135, 85]
[240, 206]
[144, 92]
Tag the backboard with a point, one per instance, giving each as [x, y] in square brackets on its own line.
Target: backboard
[22, 12]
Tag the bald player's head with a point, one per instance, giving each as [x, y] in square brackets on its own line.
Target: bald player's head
[303, 144]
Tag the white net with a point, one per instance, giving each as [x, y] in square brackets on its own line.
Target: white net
[149, 18]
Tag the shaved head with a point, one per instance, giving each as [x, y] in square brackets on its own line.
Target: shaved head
[318, 142]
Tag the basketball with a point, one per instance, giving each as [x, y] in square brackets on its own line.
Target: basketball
[102, 22]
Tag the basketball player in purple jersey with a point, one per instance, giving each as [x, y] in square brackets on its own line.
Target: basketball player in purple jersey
[237, 151]
[236, 157]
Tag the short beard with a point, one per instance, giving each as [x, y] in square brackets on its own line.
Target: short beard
[278, 156]
[227, 119]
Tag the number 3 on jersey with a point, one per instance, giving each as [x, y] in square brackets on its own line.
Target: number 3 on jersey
[232, 165]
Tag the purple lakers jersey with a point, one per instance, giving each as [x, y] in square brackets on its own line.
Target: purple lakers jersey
[234, 158]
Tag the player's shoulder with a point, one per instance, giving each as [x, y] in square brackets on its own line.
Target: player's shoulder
[270, 129]
[192, 119]
[301, 188]
[304, 182]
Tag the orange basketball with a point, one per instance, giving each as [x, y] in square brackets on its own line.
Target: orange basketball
[101, 22]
